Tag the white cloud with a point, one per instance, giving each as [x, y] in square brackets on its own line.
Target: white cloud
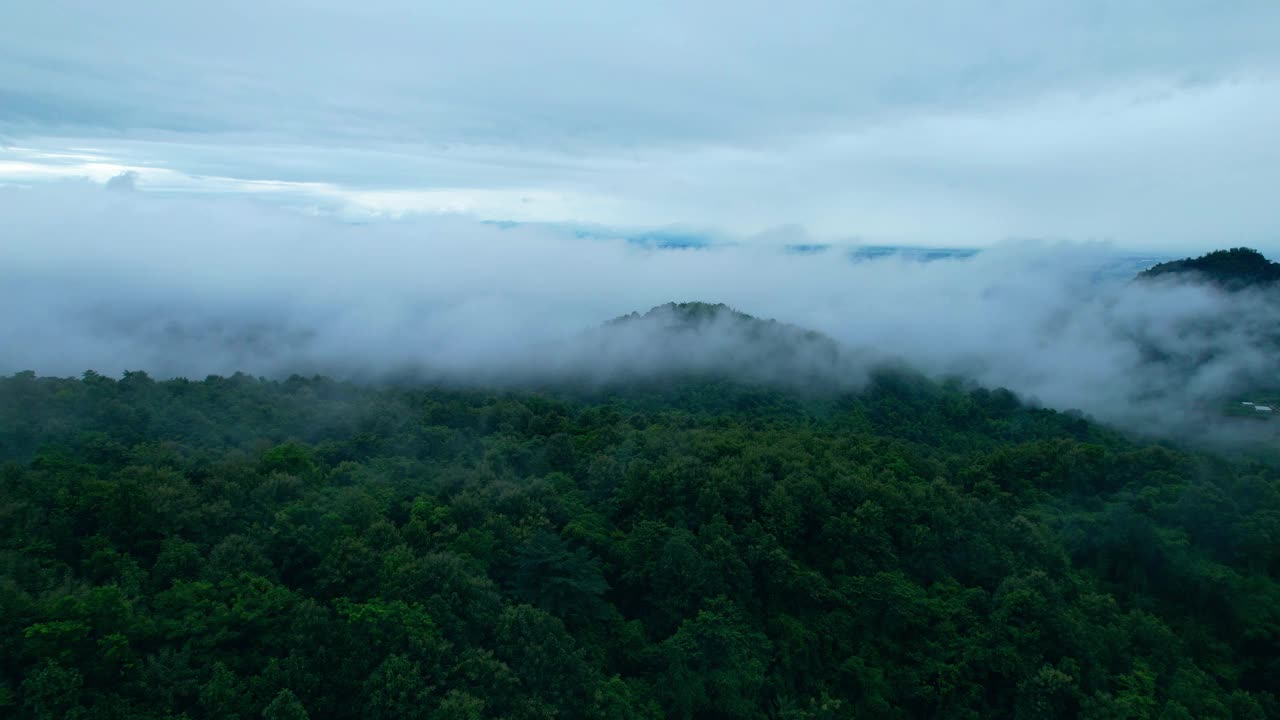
[194, 285]
[932, 123]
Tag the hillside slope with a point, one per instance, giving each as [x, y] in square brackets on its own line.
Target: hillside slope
[696, 548]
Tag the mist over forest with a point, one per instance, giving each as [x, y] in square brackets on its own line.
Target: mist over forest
[257, 461]
[192, 286]
[425, 360]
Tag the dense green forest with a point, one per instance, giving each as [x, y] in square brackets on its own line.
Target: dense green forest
[244, 548]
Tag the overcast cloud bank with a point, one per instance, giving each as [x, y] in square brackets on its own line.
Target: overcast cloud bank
[1152, 124]
[189, 286]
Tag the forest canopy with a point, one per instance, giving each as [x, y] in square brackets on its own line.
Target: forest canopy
[243, 548]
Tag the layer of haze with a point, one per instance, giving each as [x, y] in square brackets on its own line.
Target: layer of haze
[127, 280]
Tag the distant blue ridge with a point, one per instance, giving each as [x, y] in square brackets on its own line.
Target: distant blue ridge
[662, 239]
[673, 241]
[875, 252]
[1124, 265]
[807, 248]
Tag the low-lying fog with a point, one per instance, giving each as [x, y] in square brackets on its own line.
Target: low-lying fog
[196, 285]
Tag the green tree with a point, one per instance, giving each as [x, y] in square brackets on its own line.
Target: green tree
[715, 665]
[285, 706]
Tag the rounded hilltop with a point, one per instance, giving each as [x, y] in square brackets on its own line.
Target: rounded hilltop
[1232, 270]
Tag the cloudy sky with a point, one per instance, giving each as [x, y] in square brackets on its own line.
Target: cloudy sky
[1053, 134]
[1151, 124]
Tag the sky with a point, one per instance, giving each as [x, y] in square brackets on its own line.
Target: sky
[1147, 124]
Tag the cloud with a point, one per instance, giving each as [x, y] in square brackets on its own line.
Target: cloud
[929, 123]
[126, 181]
[538, 73]
[191, 285]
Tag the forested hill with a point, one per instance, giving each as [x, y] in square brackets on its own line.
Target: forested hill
[1243, 321]
[693, 315]
[1234, 269]
[710, 339]
[242, 548]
